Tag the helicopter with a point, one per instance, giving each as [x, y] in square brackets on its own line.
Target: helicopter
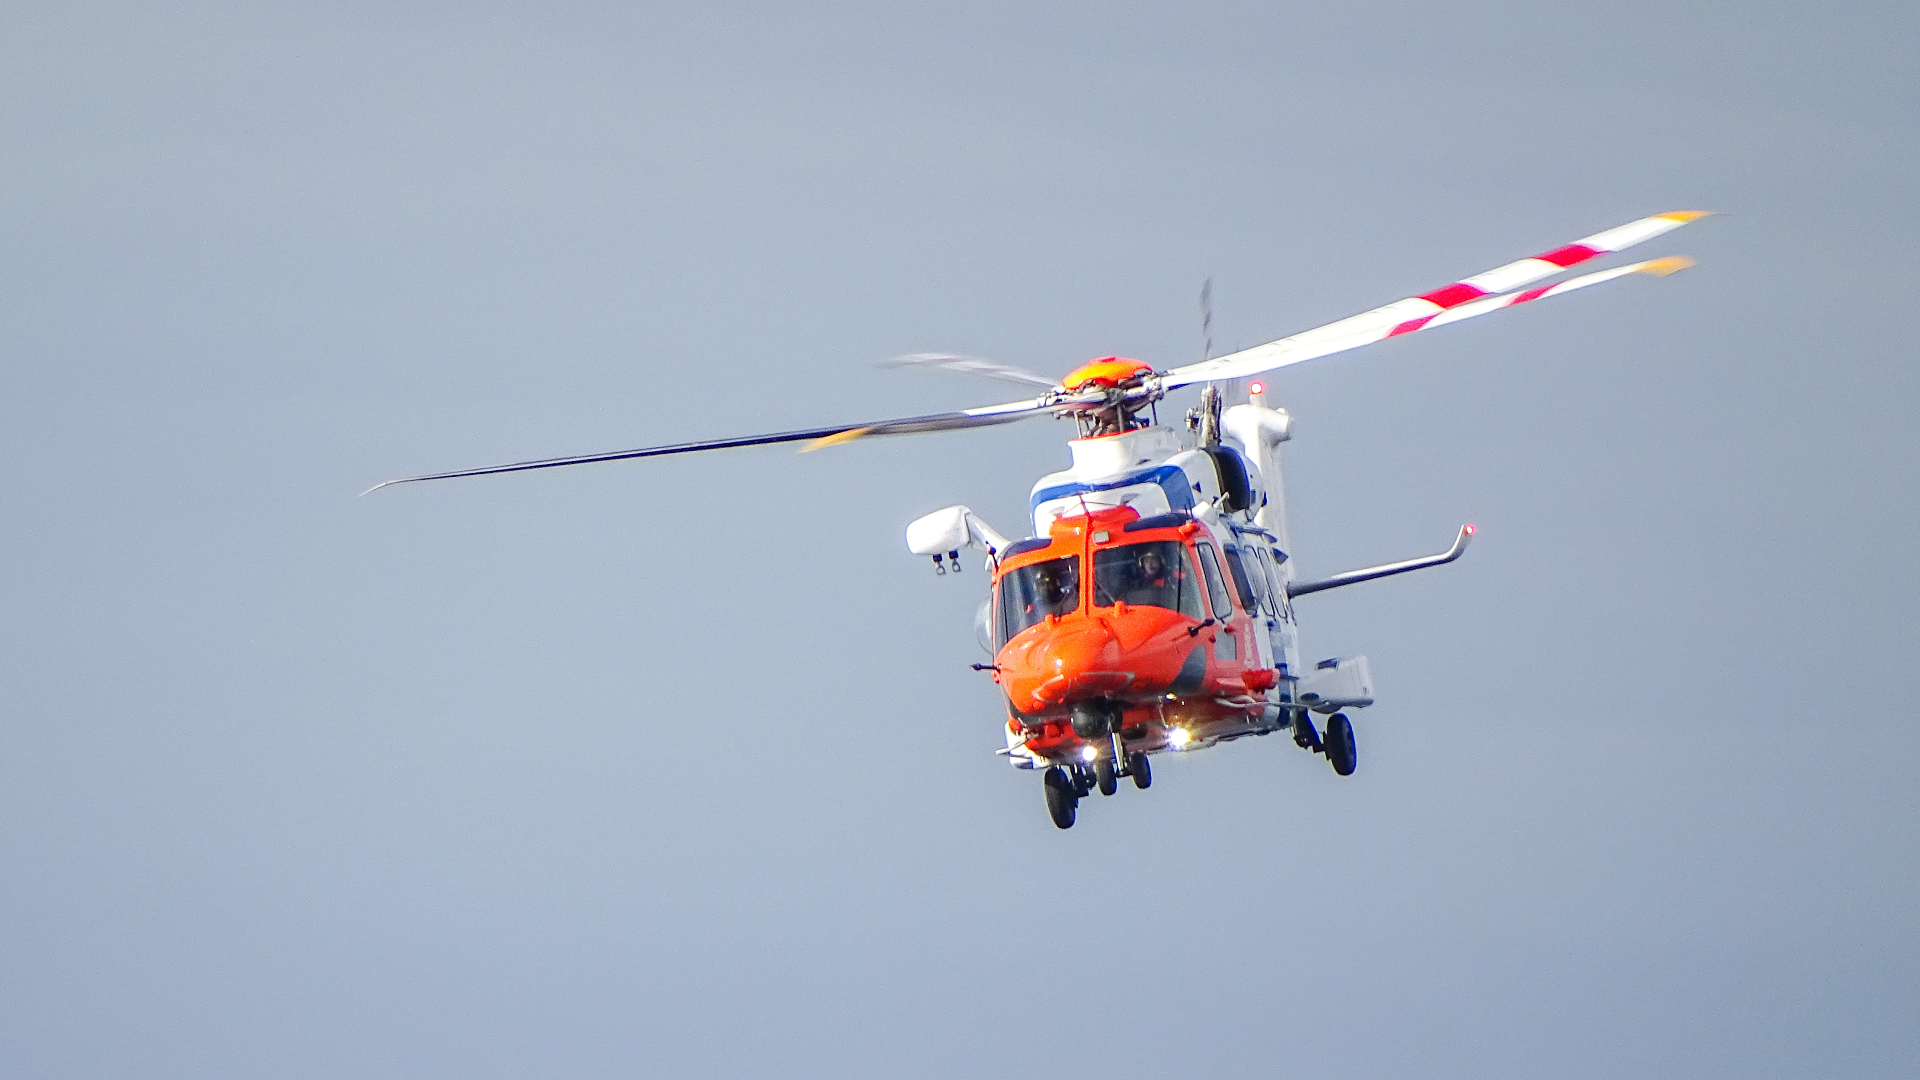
[1151, 610]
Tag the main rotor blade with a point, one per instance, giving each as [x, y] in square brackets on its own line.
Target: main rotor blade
[1672, 264]
[1415, 312]
[822, 436]
[972, 365]
[956, 421]
[1257, 364]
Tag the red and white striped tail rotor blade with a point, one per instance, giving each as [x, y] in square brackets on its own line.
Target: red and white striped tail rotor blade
[1416, 312]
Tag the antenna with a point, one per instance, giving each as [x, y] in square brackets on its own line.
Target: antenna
[1204, 419]
[1210, 415]
[1206, 319]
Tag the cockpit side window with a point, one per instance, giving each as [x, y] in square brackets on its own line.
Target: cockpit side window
[1154, 573]
[1250, 587]
[1216, 586]
[1032, 593]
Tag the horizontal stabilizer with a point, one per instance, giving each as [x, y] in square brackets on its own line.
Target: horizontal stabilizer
[1355, 577]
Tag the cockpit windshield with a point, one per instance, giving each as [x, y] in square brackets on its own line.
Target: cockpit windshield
[1032, 593]
[1154, 573]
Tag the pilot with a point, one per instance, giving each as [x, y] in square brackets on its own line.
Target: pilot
[1055, 591]
[1152, 582]
[1151, 569]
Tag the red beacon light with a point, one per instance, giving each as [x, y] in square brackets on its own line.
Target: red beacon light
[1468, 530]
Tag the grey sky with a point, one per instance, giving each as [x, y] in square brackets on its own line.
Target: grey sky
[675, 768]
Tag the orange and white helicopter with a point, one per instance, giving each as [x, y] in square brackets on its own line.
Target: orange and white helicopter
[1151, 610]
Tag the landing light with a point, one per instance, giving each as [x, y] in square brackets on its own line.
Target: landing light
[1179, 738]
[1088, 753]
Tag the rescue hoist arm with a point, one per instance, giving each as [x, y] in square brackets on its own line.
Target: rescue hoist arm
[1354, 577]
[948, 531]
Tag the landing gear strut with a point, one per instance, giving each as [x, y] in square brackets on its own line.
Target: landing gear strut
[1304, 735]
[1110, 768]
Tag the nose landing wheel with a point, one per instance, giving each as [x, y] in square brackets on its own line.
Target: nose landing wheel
[1141, 772]
[1065, 785]
[1063, 797]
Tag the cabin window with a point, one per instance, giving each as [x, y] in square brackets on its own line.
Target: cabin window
[1032, 593]
[1280, 597]
[1216, 586]
[1155, 573]
[1250, 587]
[1266, 581]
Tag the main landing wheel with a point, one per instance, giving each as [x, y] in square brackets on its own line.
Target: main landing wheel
[1061, 800]
[1104, 776]
[1142, 772]
[1340, 748]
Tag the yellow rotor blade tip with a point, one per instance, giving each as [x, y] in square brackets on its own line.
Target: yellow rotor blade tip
[846, 436]
[1684, 216]
[1668, 265]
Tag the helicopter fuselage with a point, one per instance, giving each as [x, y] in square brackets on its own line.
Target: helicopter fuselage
[1143, 616]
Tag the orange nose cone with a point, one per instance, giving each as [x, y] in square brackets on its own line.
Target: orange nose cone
[1076, 659]
[1078, 649]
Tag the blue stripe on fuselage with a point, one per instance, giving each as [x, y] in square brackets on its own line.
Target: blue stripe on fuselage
[1170, 478]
